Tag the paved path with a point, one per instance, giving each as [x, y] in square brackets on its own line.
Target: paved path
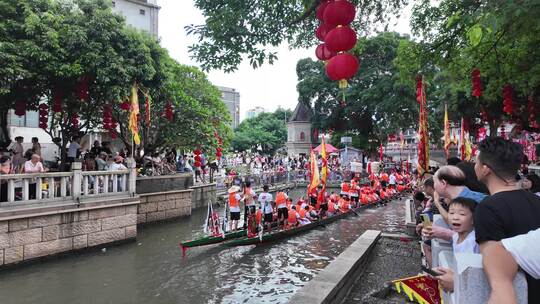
[391, 259]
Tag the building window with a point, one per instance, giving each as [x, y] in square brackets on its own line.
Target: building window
[30, 119]
[302, 136]
[142, 12]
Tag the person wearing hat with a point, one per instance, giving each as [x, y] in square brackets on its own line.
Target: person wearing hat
[101, 161]
[116, 166]
[234, 206]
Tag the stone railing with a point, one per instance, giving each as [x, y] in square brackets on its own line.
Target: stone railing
[73, 186]
[470, 282]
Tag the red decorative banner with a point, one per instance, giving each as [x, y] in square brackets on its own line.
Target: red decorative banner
[422, 289]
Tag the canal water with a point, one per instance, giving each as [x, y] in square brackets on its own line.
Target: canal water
[152, 270]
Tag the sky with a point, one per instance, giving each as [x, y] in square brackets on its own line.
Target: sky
[269, 86]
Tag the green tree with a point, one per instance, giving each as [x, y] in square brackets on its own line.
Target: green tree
[498, 38]
[234, 29]
[267, 131]
[50, 45]
[374, 105]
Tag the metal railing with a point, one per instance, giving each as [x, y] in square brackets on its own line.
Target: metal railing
[269, 178]
[76, 185]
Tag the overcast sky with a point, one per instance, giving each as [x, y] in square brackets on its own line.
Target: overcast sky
[269, 86]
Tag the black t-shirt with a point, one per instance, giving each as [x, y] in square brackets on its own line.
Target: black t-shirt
[507, 214]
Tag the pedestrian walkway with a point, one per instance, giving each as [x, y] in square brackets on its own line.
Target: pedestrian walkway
[391, 259]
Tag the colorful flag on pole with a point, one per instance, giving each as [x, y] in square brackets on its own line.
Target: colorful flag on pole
[324, 172]
[314, 170]
[147, 104]
[133, 124]
[462, 140]
[421, 289]
[447, 139]
[423, 143]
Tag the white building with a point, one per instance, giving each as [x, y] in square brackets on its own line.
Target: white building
[252, 113]
[141, 14]
[299, 131]
[231, 98]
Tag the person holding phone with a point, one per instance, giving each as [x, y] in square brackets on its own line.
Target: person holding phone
[460, 216]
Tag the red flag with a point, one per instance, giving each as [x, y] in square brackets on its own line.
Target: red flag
[423, 144]
[422, 289]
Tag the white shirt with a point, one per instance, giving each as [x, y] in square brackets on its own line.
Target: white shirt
[29, 167]
[525, 249]
[265, 199]
[117, 167]
[392, 180]
[468, 245]
[73, 147]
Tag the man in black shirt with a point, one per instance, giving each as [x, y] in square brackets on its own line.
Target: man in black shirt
[508, 212]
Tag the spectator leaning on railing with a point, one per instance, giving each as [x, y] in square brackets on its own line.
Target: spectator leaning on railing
[508, 212]
[34, 165]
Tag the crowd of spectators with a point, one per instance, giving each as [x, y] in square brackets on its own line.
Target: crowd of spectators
[492, 208]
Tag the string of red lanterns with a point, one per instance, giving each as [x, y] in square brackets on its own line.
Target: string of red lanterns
[476, 83]
[508, 102]
[20, 108]
[338, 38]
[43, 116]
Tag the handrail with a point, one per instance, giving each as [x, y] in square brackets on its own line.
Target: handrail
[76, 185]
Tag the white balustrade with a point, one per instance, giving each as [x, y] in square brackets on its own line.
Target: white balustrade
[73, 186]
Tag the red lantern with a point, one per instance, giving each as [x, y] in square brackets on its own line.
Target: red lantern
[75, 121]
[197, 152]
[57, 100]
[322, 30]
[508, 103]
[82, 88]
[43, 116]
[197, 164]
[323, 53]
[20, 108]
[476, 83]
[169, 111]
[107, 117]
[339, 12]
[342, 67]
[321, 8]
[197, 158]
[125, 106]
[503, 132]
[340, 39]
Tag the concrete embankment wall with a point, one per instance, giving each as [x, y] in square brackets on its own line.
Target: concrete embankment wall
[45, 231]
[164, 205]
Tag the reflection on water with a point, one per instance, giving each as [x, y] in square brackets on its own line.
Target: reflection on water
[151, 270]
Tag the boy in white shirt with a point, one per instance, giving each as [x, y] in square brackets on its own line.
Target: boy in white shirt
[460, 217]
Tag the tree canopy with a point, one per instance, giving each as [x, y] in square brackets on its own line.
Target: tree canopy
[375, 103]
[49, 48]
[235, 30]
[267, 131]
[498, 38]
